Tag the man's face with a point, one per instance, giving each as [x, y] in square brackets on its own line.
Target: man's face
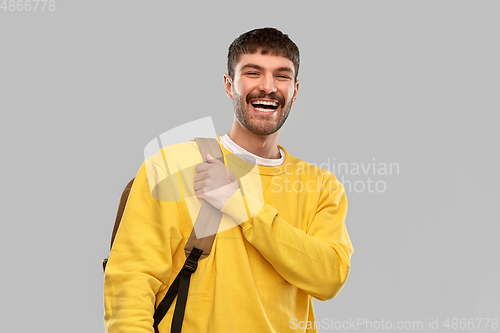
[263, 91]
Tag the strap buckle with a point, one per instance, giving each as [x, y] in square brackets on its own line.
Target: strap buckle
[191, 262]
[189, 266]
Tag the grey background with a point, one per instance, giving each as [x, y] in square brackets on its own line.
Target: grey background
[84, 88]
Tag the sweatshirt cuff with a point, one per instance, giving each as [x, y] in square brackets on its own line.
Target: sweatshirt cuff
[241, 208]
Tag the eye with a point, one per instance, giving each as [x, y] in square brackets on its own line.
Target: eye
[283, 77]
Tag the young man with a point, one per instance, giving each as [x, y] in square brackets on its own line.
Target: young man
[284, 240]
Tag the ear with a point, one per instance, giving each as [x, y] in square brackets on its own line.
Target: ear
[228, 85]
[295, 92]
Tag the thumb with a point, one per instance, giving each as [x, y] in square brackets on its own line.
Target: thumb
[212, 160]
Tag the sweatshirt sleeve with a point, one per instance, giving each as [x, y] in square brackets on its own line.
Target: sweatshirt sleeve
[140, 261]
[316, 260]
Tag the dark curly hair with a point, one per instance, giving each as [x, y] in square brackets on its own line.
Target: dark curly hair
[270, 40]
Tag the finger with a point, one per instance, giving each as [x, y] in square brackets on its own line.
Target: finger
[198, 185]
[201, 167]
[199, 194]
[199, 177]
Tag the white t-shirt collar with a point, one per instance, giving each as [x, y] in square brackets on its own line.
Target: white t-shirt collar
[249, 157]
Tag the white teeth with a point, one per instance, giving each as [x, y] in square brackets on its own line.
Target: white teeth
[263, 110]
[265, 103]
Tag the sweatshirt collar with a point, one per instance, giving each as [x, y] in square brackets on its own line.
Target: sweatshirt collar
[237, 155]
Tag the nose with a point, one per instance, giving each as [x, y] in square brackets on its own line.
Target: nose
[267, 84]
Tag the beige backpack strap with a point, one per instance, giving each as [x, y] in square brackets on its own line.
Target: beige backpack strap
[209, 217]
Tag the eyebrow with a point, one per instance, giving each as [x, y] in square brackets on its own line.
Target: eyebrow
[281, 69]
[251, 66]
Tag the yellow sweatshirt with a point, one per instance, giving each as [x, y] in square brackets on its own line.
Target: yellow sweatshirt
[275, 249]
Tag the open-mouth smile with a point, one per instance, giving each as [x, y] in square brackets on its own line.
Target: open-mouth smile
[265, 106]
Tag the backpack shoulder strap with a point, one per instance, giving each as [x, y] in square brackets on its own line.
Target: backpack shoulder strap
[196, 249]
[209, 217]
[119, 214]
[121, 208]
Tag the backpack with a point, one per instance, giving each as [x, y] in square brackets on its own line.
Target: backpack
[196, 248]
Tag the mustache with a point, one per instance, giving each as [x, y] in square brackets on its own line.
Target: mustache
[274, 96]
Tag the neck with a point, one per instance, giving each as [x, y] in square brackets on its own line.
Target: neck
[265, 146]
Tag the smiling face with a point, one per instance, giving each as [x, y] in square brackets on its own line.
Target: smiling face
[263, 91]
